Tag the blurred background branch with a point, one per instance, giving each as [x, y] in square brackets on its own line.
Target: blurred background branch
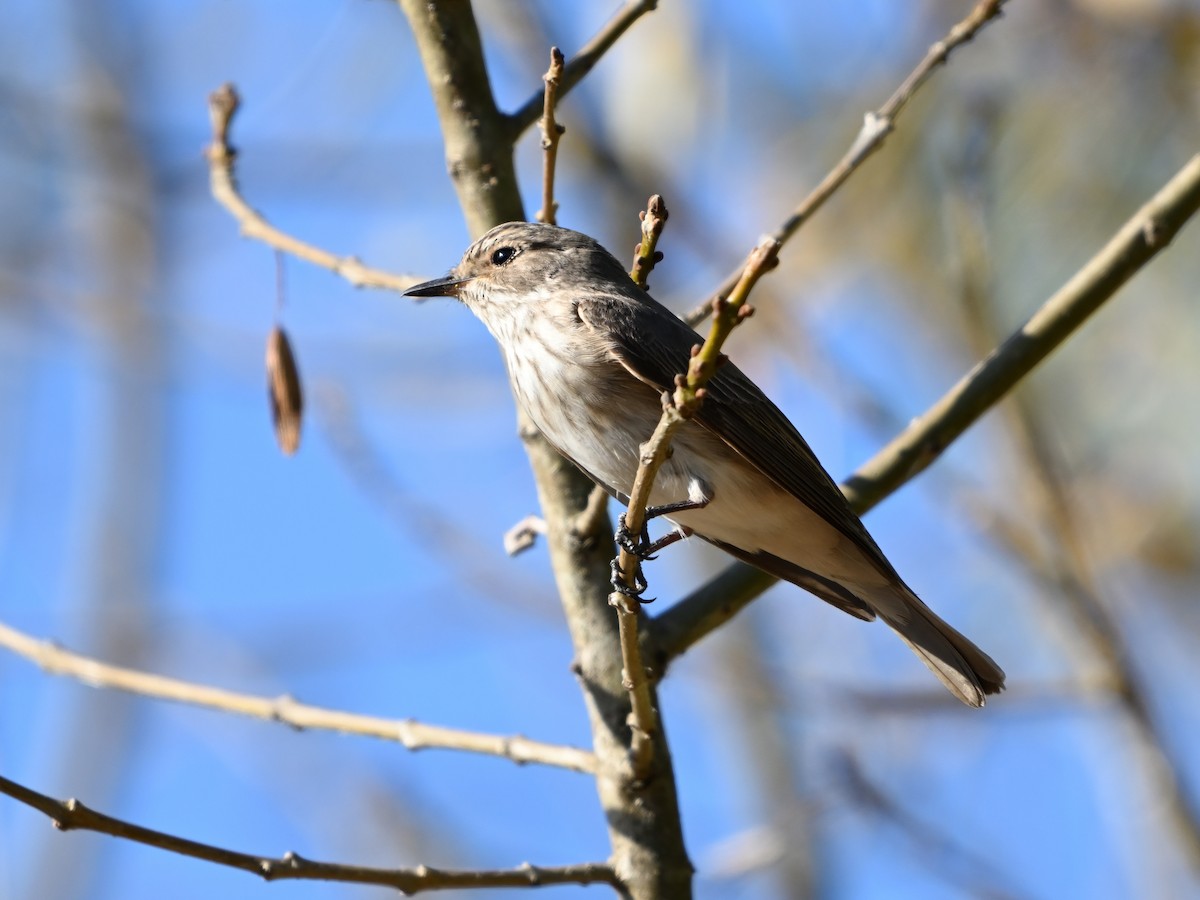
[367, 571]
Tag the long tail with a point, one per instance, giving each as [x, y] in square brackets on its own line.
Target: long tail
[968, 672]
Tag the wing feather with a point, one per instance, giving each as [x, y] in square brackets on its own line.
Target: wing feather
[654, 346]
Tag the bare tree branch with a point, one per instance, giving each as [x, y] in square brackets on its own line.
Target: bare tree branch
[644, 825]
[876, 127]
[1064, 564]
[1148, 232]
[478, 142]
[551, 133]
[914, 449]
[582, 62]
[678, 408]
[71, 814]
[288, 711]
[222, 106]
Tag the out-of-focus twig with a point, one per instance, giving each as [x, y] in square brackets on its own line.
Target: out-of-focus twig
[876, 127]
[523, 535]
[223, 104]
[1066, 565]
[287, 710]
[69, 815]
[947, 854]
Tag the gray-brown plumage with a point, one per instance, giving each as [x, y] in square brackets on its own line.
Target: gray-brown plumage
[589, 354]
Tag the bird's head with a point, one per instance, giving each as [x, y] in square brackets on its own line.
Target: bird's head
[519, 263]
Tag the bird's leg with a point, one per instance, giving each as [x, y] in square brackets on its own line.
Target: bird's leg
[699, 496]
[653, 512]
[641, 548]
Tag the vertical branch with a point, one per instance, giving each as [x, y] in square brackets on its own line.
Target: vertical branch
[678, 408]
[478, 143]
[583, 61]
[645, 256]
[648, 852]
[124, 540]
[551, 132]
[643, 713]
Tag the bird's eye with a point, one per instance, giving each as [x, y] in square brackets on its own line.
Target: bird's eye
[503, 255]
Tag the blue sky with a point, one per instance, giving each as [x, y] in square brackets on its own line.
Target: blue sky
[147, 517]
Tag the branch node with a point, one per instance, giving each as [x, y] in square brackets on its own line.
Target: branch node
[645, 256]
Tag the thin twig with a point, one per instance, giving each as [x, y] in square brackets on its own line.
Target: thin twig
[223, 104]
[643, 717]
[412, 735]
[551, 133]
[914, 449]
[678, 407]
[523, 535]
[1148, 232]
[71, 814]
[957, 861]
[645, 255]
[582, 62]
[876, 127]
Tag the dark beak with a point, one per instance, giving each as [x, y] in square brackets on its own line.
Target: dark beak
[446, 286]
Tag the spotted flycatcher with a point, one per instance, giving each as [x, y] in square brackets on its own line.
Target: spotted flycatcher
[590, 353]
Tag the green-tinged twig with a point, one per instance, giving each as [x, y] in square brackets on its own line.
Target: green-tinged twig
[223, 103]
[551, 132]
[876, 127]
[645, 256]
[285, 709]
[678, 407]
[71, 814]
[913, 450]
[582, 62]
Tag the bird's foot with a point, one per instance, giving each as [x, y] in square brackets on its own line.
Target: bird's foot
[636, 545]
[642, 549]
[633, 591]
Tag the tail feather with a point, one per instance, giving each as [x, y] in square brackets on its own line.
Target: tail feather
[968, 672]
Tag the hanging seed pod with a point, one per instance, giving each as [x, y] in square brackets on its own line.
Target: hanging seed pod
[283, 387]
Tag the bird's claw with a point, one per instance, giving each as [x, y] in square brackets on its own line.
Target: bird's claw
[639, 546]
[633, 591]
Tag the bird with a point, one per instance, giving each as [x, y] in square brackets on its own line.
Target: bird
[589, 355]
